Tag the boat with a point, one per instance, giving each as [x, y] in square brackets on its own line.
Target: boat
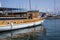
[11, 19]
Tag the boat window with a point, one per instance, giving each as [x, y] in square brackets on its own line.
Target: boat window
[6, 14]
[17, 15]
[23, 15]
[30, 16]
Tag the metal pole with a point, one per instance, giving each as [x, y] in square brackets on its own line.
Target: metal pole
[30, 4]
[54, 6]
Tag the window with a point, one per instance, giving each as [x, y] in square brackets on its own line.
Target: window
[30, 16]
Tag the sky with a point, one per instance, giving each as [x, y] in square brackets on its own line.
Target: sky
[41, 5]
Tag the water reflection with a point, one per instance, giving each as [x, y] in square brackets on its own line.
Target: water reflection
[24, 34]
[49, 30]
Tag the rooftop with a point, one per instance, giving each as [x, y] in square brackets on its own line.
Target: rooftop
[16, 10]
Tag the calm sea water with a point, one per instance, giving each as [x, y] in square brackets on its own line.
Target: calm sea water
[52, 27]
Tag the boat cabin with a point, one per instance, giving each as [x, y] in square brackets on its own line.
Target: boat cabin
[15, 13]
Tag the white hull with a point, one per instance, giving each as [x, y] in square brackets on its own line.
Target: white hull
[17, 26]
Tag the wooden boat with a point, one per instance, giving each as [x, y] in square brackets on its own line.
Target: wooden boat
[11, 19]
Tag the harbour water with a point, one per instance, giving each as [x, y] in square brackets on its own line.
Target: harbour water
[52, 32]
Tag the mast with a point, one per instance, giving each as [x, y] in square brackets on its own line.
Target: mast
[30, 4]
[54, 6]
[0, 4]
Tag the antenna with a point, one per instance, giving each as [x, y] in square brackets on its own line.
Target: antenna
[30, 4]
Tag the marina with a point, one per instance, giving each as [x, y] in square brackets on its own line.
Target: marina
[29, 20]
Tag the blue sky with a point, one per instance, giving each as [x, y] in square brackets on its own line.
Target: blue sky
[42, 5]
